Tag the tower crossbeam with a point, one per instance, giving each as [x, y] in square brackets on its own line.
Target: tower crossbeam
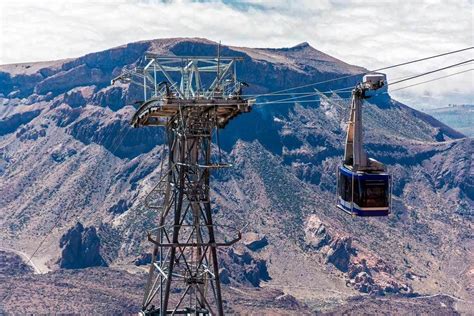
[180, 95]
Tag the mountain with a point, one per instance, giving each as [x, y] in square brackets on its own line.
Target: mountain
[74, 175]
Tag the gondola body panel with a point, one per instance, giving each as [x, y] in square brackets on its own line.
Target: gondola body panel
[363, 193]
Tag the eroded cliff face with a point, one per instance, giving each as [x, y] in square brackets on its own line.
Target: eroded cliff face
[67, 153]
[80, 248]
[363, 270]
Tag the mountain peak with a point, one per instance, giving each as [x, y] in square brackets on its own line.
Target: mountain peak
[302, 46]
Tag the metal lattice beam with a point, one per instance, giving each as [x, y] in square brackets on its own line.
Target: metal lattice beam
[184, 277]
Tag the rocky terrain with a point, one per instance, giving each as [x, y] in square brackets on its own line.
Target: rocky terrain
[74, 173]
[12, 264]
[121, 290]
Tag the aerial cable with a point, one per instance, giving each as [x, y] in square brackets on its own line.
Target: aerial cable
[430, 72]
[362, 73]
[468, 63]
[350, 88]
[281, 92]
[343, 90]
[337, 91]
[431, 80]
[403, 79]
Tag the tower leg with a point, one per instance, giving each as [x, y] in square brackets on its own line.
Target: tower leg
[187, 242]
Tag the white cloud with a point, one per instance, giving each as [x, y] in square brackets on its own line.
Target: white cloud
[371, 33]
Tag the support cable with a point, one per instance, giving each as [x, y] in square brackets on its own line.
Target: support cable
[282, 92]
[365, 72]
[415, 76]
[349, 89]
[432, 71]
[431, 80]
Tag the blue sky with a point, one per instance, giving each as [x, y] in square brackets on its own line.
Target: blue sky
[370, 33]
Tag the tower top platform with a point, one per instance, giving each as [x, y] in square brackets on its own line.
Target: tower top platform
[177, 85]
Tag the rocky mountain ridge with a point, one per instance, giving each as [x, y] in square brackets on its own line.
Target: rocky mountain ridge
[68, 154]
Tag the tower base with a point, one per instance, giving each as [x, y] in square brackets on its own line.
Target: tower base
[184, 311]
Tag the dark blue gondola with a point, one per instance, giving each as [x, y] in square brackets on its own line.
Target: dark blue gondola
[364, 193]
[363, 184]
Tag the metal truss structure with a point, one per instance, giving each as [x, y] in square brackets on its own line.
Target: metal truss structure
[192, 97]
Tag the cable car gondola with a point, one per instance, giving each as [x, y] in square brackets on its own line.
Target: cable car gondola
[363, 193]
[363, 184]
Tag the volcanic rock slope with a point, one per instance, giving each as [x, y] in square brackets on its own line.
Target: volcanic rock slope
[68, 155]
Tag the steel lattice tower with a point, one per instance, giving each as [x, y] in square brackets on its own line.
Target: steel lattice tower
[184, 274]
